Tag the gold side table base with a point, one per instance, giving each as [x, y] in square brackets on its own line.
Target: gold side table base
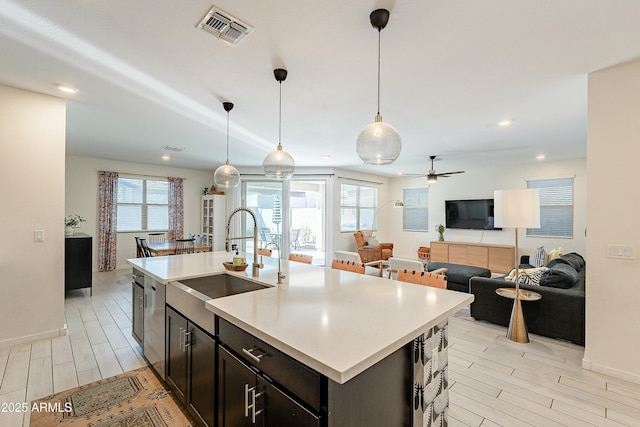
[517, 327]
[517, 331]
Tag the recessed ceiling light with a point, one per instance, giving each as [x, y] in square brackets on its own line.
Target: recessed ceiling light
[505, 122]
[540, 157]
[326, 156]
[166, 158]
[67, 89]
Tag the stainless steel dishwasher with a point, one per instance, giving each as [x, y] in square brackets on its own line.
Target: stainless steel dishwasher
[154, 324]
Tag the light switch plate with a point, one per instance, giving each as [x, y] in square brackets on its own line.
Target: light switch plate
[38, 236]
[620, 251]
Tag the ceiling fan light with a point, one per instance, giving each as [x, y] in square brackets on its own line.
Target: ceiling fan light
[226, 176]
[379, 143]
[431, 178]
[278, 164]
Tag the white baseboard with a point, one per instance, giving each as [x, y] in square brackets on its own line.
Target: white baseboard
[35, 337]
[627, 376]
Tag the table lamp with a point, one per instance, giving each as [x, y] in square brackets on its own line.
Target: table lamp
[519, 208]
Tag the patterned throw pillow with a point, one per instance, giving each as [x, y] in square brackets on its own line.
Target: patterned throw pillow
[539, 257]
[530, 276]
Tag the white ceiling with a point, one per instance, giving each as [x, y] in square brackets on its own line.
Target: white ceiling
[450, 71]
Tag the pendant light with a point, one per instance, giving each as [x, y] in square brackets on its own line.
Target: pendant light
[279, 164]
[379, 143]
[226, 176]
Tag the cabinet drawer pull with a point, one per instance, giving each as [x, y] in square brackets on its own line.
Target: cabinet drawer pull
[140, 301]
[187, 339]
[255, 357]
[181, 339]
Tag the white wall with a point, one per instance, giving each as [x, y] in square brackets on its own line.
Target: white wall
[613, 292]
[82, 197]
[480, 183]
[32, 143]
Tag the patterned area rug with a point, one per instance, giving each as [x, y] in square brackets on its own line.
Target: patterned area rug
[133, 399]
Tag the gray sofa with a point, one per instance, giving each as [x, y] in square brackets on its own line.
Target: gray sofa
[559, 314]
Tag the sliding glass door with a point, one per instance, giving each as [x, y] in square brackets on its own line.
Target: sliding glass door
[308, 217]
[292, 214]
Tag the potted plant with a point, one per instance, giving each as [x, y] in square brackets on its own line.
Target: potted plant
[71, 223]
[440, 229]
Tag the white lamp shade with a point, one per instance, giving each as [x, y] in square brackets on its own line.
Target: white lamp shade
[226, 176]
[519, 208]
[379, 144]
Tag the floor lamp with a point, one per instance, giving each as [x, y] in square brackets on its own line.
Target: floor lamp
[515, 209]
[396, 204]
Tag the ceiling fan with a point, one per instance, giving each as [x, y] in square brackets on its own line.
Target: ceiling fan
[432, 176]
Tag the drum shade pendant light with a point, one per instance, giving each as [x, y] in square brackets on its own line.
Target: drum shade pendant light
[226, 176]
[379, 143]
[279, 164]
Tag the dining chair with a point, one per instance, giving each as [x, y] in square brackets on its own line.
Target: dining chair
[185, 246]
[293, 238]
[397, 264]
[307, 259]
[140, 250]
[435, 280]
[156, 238]
[144, 248]
[264, 252]
[355, 267]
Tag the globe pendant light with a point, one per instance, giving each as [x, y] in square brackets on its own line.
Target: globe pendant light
[379, 143]
[226, 176]
[279, 164]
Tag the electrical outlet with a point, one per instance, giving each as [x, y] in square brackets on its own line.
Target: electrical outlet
[38, 236]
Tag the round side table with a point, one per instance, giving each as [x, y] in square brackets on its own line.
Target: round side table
[517, 327]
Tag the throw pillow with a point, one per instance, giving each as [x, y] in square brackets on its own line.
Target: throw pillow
[539, 257]
[555, 253]
[560, 276]
[372, 241]
[528, 276]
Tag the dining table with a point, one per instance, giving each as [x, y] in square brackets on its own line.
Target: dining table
[168, 247]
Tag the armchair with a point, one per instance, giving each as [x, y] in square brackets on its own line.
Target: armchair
[368, 253]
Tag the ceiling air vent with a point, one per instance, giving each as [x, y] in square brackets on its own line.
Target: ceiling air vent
[224, 26]
[172, 148]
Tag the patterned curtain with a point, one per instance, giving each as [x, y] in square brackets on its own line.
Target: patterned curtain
[176, 209]
[108, 220]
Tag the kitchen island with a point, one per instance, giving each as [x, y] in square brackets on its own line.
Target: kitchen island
[365, 337]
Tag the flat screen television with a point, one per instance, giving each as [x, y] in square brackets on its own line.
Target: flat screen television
[469, 214]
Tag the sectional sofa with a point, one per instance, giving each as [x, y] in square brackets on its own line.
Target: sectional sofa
[559, 314]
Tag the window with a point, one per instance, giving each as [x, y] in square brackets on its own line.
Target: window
[357, 207]
[556, 207]
[416, 209]
[143, 205]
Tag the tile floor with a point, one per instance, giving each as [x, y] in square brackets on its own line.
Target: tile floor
[493, 381]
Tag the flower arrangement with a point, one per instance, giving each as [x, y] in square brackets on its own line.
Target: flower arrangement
[73, 221]
[440, 229]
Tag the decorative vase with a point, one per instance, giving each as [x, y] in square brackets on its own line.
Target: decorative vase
[68, 231]
[441, 237]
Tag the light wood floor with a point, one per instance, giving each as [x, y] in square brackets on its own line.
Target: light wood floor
[493, 381]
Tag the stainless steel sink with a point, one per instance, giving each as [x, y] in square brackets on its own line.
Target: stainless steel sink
[189, 295]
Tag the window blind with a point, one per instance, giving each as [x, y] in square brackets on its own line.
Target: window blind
[415, 216]
[556, 207]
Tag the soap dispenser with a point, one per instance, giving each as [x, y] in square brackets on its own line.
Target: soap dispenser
[237, 259]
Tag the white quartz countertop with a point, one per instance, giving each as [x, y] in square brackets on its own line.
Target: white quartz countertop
[336, 322]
